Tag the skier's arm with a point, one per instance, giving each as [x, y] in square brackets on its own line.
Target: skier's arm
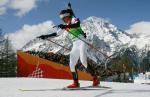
[59, 32]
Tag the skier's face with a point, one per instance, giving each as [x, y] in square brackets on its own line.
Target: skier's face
[67, 20]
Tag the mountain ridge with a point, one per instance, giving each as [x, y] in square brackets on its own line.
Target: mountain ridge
[100, 33]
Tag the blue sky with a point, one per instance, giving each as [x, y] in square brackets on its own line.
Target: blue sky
[121, 13]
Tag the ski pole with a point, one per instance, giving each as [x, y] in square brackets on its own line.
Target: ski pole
[92, 46]
[58, 44]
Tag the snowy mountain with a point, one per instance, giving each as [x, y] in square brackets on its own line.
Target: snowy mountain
[102, 34]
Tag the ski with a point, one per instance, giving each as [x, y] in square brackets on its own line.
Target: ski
[88, 88]
[65, 88]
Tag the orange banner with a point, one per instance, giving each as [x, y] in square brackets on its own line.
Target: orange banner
[33, 66]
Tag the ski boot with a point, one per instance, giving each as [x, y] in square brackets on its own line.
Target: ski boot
[75, 84]
[96, 81]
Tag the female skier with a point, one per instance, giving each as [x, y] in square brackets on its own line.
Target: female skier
[79, 49]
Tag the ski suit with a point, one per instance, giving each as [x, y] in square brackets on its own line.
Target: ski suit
[79, 49]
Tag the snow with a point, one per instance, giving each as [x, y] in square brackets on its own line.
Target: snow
[143, 78]
[10, 88]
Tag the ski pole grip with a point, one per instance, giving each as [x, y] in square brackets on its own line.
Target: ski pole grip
[69, 4]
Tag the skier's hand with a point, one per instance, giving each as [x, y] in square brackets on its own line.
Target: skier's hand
[62, 26]
[84, 34]
[69, 4]
[42, 37]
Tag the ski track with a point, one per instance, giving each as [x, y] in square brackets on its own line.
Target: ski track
[52, 88]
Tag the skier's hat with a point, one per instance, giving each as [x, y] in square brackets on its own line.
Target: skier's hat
[65, 13]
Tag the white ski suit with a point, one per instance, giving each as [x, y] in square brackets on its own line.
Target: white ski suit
[79, 49]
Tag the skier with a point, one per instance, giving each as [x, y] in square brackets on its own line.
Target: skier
[79, 49]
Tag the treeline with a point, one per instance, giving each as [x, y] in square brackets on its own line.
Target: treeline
[145, 64]
[8, 60]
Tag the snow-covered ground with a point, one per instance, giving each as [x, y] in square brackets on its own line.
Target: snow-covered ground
[143, 78]
[9, 87]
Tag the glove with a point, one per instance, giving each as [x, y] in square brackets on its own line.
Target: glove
[62, 26]
[69, 5]
[84, 34]
[47, 36]
[43, 37]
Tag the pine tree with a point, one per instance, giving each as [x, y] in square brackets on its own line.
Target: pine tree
[7, 58]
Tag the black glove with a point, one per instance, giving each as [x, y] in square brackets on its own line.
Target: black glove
[62, 26]
[42, 37]
[69, 5]
[47, 36]
[84, 34]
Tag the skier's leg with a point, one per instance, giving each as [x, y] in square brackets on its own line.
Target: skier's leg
[96, 80]
[76, 72]
[74, 56]
[83, 58]
[90, 69]
[83, 54]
